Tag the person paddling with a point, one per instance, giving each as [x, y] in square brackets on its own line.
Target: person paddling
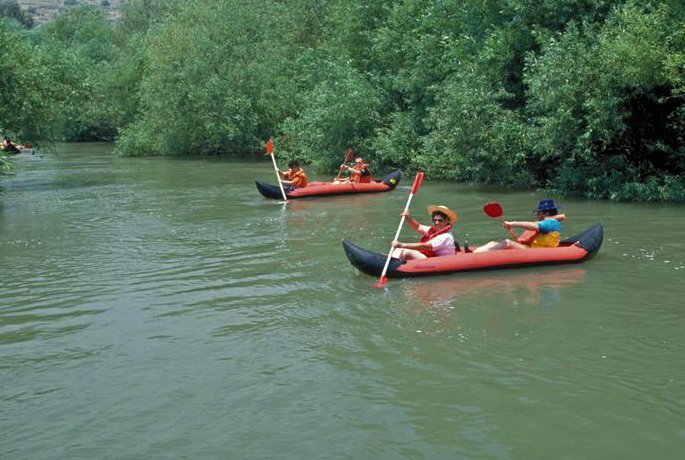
[294, 176]
[544, 233]
[359, 173]
[436, 240]
[9, 146]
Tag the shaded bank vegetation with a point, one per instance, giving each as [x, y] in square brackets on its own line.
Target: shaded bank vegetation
[580, 96]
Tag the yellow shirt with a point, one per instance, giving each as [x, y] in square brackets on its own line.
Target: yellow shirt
[547, 240]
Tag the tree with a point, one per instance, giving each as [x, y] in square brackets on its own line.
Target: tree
[606, 108]
[83, 37]
[219, 88]
[5, 168]
[12, 9]
[29, 91]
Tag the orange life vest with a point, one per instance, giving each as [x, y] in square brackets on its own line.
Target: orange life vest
[298, 178]
[361, 178]
[430, 234]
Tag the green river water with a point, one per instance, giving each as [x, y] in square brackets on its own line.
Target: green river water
[161, 308]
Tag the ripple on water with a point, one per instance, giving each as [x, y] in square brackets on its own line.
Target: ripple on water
[175, 299]
[44, 307]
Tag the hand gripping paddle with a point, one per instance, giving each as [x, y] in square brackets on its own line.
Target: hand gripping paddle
[414, 188]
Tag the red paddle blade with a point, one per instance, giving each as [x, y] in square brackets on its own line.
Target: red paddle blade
[269, 147]
[417, 182]
[493, 209]
[381, 282]
[350, 154]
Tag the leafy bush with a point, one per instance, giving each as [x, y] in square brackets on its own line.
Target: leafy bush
[581, 96]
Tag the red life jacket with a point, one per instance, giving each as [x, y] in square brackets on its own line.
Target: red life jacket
[430, 234]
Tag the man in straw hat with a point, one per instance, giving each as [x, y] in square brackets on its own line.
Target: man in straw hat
[545, 233]
[436, 240]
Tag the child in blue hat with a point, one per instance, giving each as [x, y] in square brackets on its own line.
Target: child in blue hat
[544, 233]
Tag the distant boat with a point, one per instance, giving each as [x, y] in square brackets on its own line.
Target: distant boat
[385, 184]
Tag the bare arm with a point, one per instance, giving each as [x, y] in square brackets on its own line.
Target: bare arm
[416, 246]
[411, 222]
[524, 225]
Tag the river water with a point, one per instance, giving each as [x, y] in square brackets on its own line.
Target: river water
[162, 308]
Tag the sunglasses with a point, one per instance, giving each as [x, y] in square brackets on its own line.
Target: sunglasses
[438, 219]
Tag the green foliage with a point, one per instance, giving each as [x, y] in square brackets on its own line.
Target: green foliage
[607, 95]
[5, 168]
[473, 138]
[216, 88]
[83, 30]
[12, 9]
[580, 96]
[139, 17]
[29, 89]
[16, 79]
[82, 52]
[341, 110]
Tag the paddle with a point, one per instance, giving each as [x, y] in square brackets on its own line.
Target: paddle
[414, 188]
[348, 158]
[270, 152]
[494, 210]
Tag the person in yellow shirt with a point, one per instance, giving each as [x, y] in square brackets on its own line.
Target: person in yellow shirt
[543, 233]
[294, 176]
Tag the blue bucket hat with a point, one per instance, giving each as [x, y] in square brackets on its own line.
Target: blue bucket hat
[545, 205]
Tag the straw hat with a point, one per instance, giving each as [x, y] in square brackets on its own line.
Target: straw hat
[451, 215]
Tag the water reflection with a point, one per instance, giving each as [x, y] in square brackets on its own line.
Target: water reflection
[467, 306]
[535, 288]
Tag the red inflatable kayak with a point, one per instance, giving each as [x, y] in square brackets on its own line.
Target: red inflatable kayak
[385, 184]
[571, 250]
